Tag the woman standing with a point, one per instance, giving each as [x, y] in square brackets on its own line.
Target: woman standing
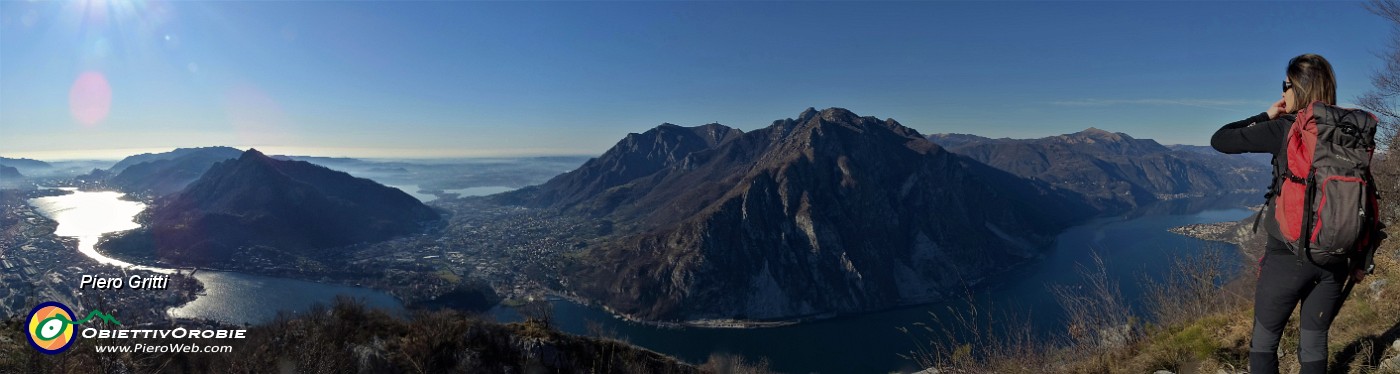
[1284, 278]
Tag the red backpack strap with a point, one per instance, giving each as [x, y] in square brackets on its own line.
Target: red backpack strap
[1296, 165]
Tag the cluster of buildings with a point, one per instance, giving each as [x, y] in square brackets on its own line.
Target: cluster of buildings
[518, 251]
[36, 266]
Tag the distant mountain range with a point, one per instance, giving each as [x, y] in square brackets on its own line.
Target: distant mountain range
[258, 201]
[24, 165]
[830, 212]
[1113, 170]
[165, 173]
[176, 153]
[159, 174]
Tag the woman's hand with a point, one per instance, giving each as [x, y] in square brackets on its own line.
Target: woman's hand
[1358, 275]
[1276, 109]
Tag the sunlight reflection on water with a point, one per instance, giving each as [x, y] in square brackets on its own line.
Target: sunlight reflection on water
[88, 215]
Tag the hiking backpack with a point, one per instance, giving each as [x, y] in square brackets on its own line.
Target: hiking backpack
[1323, 198]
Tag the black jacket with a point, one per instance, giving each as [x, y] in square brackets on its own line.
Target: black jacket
[1257, 134]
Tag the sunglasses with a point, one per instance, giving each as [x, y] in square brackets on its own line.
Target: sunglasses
[1287, 85]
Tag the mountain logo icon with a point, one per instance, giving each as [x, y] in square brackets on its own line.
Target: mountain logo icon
[51, 325]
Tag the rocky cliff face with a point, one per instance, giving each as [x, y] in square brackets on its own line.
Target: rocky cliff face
[634, 157]
[830, 212]
[1114, 170]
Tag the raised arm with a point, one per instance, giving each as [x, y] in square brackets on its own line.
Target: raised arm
[1257, 134]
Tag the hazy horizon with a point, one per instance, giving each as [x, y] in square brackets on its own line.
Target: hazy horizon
[115, 154]
[98, 78]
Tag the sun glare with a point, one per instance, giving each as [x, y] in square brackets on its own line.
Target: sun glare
[107, 30]
[103, 11]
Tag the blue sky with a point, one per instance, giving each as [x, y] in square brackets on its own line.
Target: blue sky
[424, 79]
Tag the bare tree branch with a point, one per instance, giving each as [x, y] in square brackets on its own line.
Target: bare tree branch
[1381, 99]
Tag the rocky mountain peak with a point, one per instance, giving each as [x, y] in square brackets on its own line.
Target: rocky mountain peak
[1096, 134]
[252, 154]
[838, 115]
[1098, 140]
[811, 122]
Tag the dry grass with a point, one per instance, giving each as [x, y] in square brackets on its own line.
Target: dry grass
[974, 340]
[1202, 322]
[719, 363]
[1370, 320]
[982, 340]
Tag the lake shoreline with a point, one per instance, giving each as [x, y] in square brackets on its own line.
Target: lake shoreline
[975, 285]
[53, 241]
[188, 282]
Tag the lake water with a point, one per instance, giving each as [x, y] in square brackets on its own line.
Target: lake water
[1134, 249]
[88, 215]
[240, 298]
[414, 190]
[480, 191]
[229, 296]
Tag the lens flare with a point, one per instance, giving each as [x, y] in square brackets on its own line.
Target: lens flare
[90, 98]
